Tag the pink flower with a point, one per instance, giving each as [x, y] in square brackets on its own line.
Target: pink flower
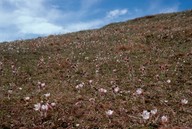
[37, 107]
[44, 107]
[145, 115]
[164, 119]
[139, 91]
[116, 89]
[47, 94]
[79, 85]
[102, 90]
[114, 70]
[27, 98]
[10, 91]
[154, 111]
[53, 104]
[39, 83]
[109, 112]
[184, 101]
[168, 81]
[42, 84]
[90, 81]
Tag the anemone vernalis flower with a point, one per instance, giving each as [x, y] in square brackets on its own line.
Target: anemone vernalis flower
[53, 104]
[114, 70]
[27, 98]
[184, 101]
[47, 94]
[102, 90]
[154, 111]
[90, 81]
[168, 81]
[109, 112]
[116, 89]
[139, 91]
[42, 84]
[77, 125]
[164, 119]
[44, 107]
[92, 99]
[39, 83]
[145, 115]
[10, 91]
[86, 58]
[37, 107]
[79, 85]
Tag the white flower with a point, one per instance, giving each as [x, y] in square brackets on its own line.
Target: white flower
[27, 98]
[39, 83]
[164, 119]
[77, 125]
[102, 90]
[114, 70]
[139, 91]
[154, 111]
[10, 91]
[112, 82]
[79, 85]
[86, 58]
[116, 89]
[109, 112]
[168, 81]
[47, 94]
[42, 84]
[92, 99]
[12, 66]
[90, 81]
[37, 106]
[53, 104]
[145, 115]
[44, 107]
[20, 88]
[184, 101]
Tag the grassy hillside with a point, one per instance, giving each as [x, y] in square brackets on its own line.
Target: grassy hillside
[103, 78]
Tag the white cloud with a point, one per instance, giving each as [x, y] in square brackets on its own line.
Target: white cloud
[85, 25]
[22, 18]
[159, 7]
[116, 13]
[41, 27]
[169, 10]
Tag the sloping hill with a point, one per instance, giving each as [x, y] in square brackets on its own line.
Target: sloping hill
[114, 77]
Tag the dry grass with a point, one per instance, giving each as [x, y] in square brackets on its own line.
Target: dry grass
[106, 78]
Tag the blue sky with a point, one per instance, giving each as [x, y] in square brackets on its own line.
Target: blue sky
[23, 19]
